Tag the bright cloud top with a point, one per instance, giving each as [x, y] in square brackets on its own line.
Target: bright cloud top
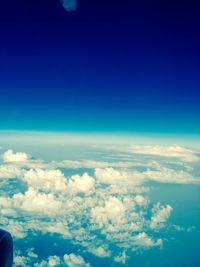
[9, 156]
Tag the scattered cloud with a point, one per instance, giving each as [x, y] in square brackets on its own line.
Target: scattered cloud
[106, 210]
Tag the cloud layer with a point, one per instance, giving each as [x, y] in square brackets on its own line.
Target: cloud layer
[101, 207]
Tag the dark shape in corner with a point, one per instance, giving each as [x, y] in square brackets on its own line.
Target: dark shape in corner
[6, 249]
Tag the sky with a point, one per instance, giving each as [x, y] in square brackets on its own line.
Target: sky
[100, 66]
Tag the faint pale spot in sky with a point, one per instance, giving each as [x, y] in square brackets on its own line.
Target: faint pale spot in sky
[69, 5]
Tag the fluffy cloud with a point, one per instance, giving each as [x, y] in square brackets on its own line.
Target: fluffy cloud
[113, 176]
[47, 180]
[144, 241]
[160, 216]
[9, 171]
[100, 251]
[140, 200]
[51, 262]
[113, 211]
[73, 260]
[69, 5]
[81, 184]
[129, 178]
[32, 201]
[9, 156]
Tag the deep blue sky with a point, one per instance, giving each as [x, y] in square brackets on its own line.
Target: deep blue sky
[108, 66]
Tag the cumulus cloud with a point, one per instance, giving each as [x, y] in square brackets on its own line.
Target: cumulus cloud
[9, 156]
[69, 5]
[81, 184]
[9, 171]
[31, 201]
[114, 211]
[100, 251]
[144, 241]
[160, 216]
[73, 260]
[47, 180]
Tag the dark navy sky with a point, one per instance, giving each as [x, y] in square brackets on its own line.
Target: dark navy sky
[108, 66]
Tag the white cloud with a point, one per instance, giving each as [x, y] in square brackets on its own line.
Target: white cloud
[50, 262]
[113, 176]
[69, 5]
[184, 154]
[53, 261]
[73, 260]
[114, 211]
[9, 171]
[166, 175]
[20, 261]
[32, 201]
[100, 251]
[31, 254]
[144, 241]
[9, 156]
[90, 164]
[121, 258]
[160, 215]
[140, 200]
[81, 184]
[47, 180]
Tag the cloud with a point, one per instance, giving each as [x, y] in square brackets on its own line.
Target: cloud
[184, 154]
[113, 211]
[31, 201]
[132, 178]
[69, 5]
[106, 212]
[9, 156]
[140, 200]
[73, 260]
[81, 184]
[121, 258]
[113, 176]
[10, 171]
[160, 216]
[144, 241]
[47, 180]
[166, 175]
[100, 251]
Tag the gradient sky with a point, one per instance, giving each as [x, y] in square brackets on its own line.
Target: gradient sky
[105, 66]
